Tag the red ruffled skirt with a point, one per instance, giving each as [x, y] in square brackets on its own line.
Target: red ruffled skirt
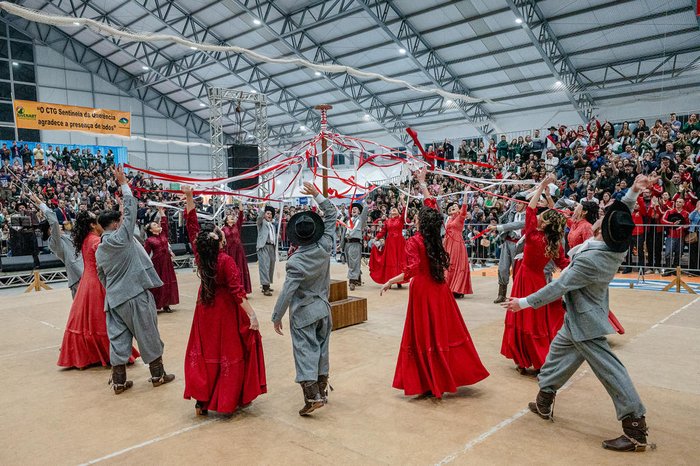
[529, 332]
[458, 276]
[168, 294]
[224, 363]
[388, 262]
[437, 353]
[236, 251]
[85, 341]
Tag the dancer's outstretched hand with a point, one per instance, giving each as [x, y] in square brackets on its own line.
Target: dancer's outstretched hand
[511, 304]
[386, 287]
[278, 327]
[119, 175]
[309, 189]
[254, 323]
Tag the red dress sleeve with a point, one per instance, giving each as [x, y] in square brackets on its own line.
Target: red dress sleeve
[412, 256]
[232, 277]
[530, 220]
[192, 226]
[164, 225]
[430, 202]
[563, 260]
[148, 245]
[382, 232]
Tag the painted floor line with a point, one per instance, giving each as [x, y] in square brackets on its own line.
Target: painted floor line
[506, 422]
[43, 348]
[157, 439]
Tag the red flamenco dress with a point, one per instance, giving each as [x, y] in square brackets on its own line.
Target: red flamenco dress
[159, 249]
[390, 261]
[579, 232]
[437, 354]
[457, 276]
[224, 362]
[85, 340]
[528, 333]
[234, 248]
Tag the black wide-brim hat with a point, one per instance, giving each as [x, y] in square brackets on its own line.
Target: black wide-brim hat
[269, 208]
[617, 227]
[674, 217]
[358, 205]
[305, 228]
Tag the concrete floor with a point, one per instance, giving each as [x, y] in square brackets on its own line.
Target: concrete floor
[53, 416]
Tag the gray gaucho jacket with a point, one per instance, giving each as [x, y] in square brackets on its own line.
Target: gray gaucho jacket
[123, 266]
[305, 290]
[62, 246]
[584, 286]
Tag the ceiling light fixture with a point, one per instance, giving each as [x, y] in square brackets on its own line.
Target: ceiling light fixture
[448, 102]
[302, 127]
[144, 68]
[202, 104]
[518, 21]
[257, 22]
[193, 48]
[402, 51]
[317, 73]
[253, 91]
[14, 63]
[75, 23]
[558, 83]
[367, 116]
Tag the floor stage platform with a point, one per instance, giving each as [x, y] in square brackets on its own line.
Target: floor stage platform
[53, 416]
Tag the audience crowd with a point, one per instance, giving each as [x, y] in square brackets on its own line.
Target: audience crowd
[596, 163]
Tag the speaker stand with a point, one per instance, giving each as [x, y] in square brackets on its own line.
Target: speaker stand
[37, 283]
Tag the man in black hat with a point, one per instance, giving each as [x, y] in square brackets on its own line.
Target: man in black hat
[305, 293]
[267, 254]
[353, 243]
[584, 286]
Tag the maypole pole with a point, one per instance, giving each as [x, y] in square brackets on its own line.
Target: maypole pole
[324, 144]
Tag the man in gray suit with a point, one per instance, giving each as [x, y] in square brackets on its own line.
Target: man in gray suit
[61, 244]
[305, 293]
[266, 248]
[584, 286]
[353, 243]
[127, 274]
[511, 224]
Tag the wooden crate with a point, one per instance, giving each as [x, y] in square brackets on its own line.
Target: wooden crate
[348, 311]
[338, 290]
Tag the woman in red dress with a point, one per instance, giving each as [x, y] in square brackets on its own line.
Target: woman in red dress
[234, 247]
[458, 277]
[388, 258]
[580, 230]
[224, 362]
[437, 354]
[527, 336]
[85, 340]
[157, 246]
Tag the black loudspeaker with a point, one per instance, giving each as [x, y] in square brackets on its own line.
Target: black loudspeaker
[249, 238]
[242, 157]
[24, 263]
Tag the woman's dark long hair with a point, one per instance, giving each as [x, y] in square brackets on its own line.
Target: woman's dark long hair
[590, 210]
[553, 225]
[81, 229]
[429, 226]
[207, 244]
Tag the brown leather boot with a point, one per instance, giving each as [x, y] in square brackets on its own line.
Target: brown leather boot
[266, 290]
[502, 290]
[323, 387]
[634, 437]
[543, 405]
[312, 397]
[118, 379]
[158, 375]
[352, 285]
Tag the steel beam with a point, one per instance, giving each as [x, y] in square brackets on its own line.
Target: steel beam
[77, 52]
[426, 58]
[553, 54]
[355, 90]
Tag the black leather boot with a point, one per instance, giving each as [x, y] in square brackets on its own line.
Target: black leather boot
[312, 397]
[543, 406]
[502, 290]
[266, 290]
[323, 387]
[634, 437]
[158, 375]
[118, 380]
